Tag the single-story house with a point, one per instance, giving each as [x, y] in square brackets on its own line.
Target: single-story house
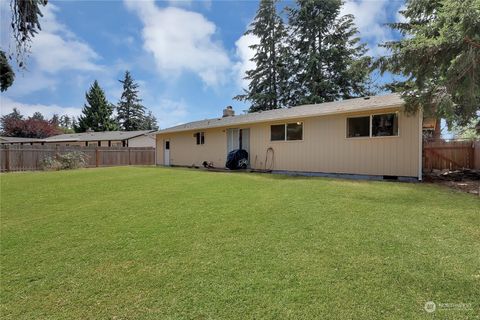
[368, 136]
[143, 138]
[18, 140]
[105, 139]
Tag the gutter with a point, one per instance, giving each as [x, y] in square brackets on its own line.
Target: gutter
[165, 131]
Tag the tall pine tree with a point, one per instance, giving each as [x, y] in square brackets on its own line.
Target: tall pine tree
[268, 88]
[439, 57]
[329, 61]
[149, 122]
[130, 111]
[97, 112]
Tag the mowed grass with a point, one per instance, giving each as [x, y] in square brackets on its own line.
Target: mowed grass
[157, 243]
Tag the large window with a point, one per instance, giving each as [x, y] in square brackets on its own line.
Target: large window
[377, 125]
[277, 132]
[384, 125]
[287, 131]
[200, 137]
[295, 131]
[358, 127]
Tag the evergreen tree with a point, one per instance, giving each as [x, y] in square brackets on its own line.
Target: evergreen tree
[130, 111]
[6, 73]
[97, 112]
[470, 131]
[75, 125]
[439, 57]
[25, 24]
[66, 122]
[268, 88]
[55, 119]
[37, 116]
[15, 115]
[329, 61]
[149, 122]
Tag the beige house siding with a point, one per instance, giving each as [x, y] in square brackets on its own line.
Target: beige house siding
[142, 141]
[185, 152]
[63, 144]
[134, 142]
[324, 147]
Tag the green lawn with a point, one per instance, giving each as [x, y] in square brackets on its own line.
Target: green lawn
[156, 243]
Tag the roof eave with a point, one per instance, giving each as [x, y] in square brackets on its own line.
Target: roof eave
[393, 106]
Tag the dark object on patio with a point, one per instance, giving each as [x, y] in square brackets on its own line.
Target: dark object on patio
[237, 159]
[207, 164]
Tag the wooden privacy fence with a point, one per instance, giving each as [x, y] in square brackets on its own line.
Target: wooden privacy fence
[452, 155]
[30, 157]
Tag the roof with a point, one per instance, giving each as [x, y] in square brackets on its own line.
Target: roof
[97, 136]
[304, 111]
[18, 140]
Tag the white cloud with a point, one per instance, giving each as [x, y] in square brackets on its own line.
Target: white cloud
[26, 109]
[30, 81]
[54, 51]
[370, 17]
[181, 40]
[56, 48]
[170, 113]
[244, 54]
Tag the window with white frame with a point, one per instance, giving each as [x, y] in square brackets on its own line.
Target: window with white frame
[277, 132]
[286, 132]
[358, 127]
[376, 125]
[384, 125]
[200, 137]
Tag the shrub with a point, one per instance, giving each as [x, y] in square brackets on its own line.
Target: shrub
[73, 160]
[70, 160]
[51, 163]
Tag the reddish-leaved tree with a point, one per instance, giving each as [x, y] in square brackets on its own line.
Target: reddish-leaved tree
[14, 125]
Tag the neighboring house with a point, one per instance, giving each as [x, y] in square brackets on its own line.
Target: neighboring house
[105, 139]
[17, 140]
[370, 136]
[142, 138]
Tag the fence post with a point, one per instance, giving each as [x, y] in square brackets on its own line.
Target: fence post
[7, 157]
[21, 159]
[97, 159]
[473, 156]
[129, 158]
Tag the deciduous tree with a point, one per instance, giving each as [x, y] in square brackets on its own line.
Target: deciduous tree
[14, 125]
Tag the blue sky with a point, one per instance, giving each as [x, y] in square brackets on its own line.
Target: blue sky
[189, 57]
